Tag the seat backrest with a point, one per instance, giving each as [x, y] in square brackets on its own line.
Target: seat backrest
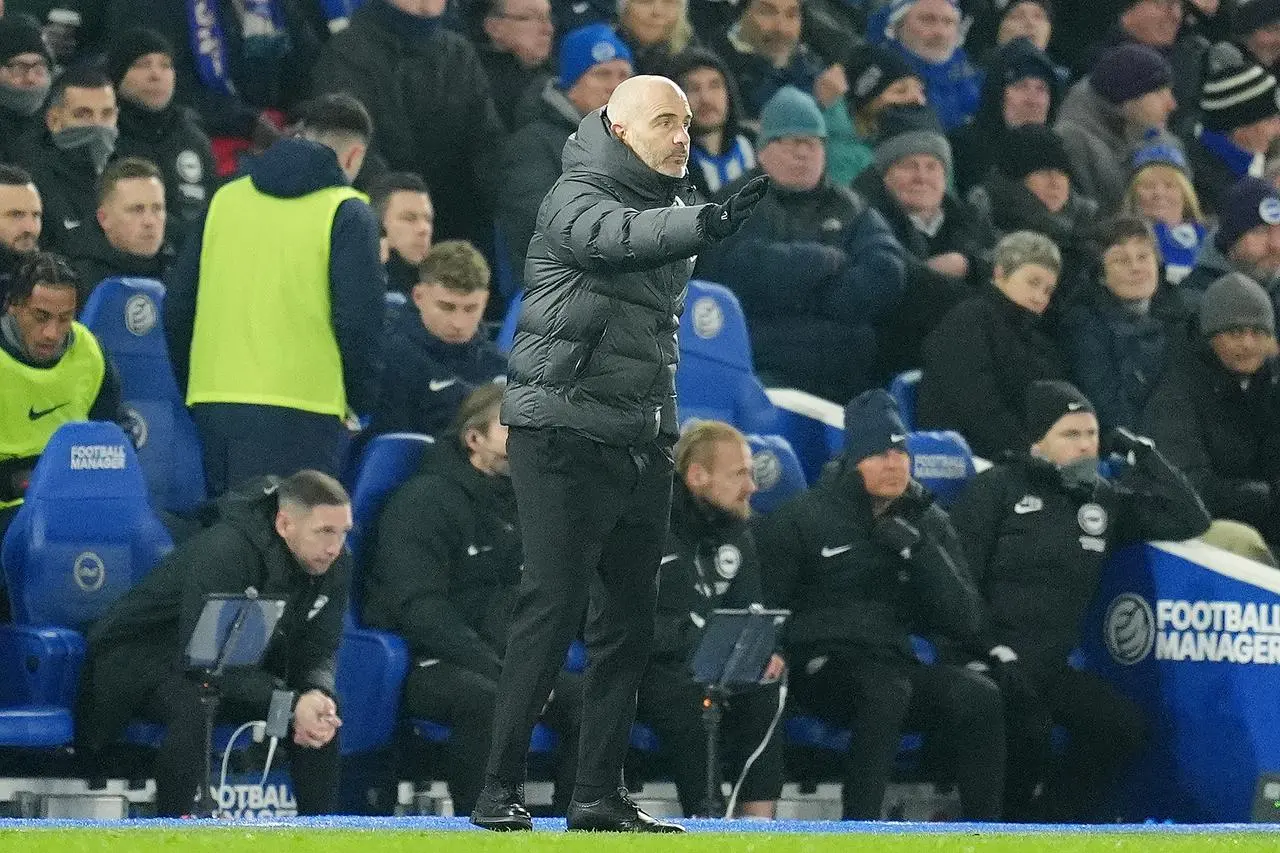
[126, 314]
[903, 389]
[942, 461]
[86, 532]
[386, 463]
[507, 331]
[716, 378]
[776, 470]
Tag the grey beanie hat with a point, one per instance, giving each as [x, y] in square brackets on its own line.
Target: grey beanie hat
[1236, 301]
[909, 130]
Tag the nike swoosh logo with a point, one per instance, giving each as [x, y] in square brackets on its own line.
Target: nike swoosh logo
[670, 558]
[1023, 509]
[70, 224]
[36, 415]
[839, 549]
[441, 384]
[473, 551]
[897, 437]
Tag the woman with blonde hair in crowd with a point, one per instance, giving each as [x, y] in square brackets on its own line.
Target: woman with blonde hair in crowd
[655, 30]
[1160, 191]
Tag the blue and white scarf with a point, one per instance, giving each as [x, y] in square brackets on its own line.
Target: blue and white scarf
[265, 37]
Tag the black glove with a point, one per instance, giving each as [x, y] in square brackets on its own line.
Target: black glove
[897, 534]
[1124, 442]
[721, 220]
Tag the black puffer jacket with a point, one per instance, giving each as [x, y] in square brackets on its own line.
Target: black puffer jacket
[595, 349]
[447, 562]
[1036, 547]
[847, 589]
[710, 562]
[241, 550]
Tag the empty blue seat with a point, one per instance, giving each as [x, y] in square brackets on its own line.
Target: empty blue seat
[86, 532]
[942, 461]
[126, 316]
[387, 462]
[716, 378]
[372, 666]
[903, 389]
[776, 470]
[39, 668]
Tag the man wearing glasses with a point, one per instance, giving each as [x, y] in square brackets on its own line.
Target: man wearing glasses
[515, 51]
[24, 79]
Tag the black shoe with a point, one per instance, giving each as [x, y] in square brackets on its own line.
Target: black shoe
[614, 813]
[500, 807]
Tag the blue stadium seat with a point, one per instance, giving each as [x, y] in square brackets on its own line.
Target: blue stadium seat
[86, 533]
[507, 331]
[542, 741]
[372, 666]
[39, 668]
[716, 378]
[386, 463]
[777, 472]
[942, 462]
[126, 315]
[903, 389]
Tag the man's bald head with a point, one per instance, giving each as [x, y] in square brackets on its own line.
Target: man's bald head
[651, 116]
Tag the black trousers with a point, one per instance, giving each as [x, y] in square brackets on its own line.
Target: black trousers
[1105, 731]
[958, 711]
[594, 521]
[671, 703]
[134, 680]
[241, 442]
[463, 699]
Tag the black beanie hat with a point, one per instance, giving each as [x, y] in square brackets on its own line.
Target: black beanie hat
[1030, 148]
[872, 69]
[129, 47]
[21, 34]
[872, 425]
[1049, 400]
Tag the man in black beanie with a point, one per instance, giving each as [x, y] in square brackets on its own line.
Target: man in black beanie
[24, 79]
[1037, 530]
[155, 128]
[864, 560]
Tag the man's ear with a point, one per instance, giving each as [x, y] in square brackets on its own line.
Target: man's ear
[284, 524]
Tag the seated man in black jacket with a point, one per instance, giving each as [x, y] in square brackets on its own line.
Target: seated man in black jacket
[710, 562]
[864, 559]
[408, 221]
[128, 237]
[283, 538]
[1037, 531]
[444, 575]
[436, 355]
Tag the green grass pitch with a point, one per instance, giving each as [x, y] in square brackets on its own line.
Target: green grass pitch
[236, 839]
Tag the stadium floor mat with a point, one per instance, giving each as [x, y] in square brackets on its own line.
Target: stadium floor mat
[455, 835]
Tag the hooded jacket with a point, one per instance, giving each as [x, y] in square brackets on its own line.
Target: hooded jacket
[1036, 546]
[95, 259]
[293, 168]
[975, 146]
[595, 349]
[447, 562]
[530, 166]
[732, 132]
[850, 590]
[815, 271]
[241, 550]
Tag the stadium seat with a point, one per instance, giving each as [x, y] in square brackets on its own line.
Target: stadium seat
[507, 331]
[942, 462]
[372, 666]
[388, 460]
[903, 390]
[776, 470]
[39, 668]
[126, 314]
[86, 532]
[716, 378]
